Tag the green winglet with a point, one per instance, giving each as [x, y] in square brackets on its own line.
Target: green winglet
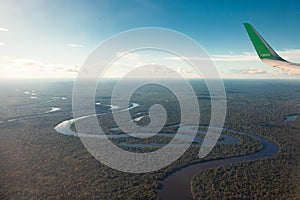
[263, 49]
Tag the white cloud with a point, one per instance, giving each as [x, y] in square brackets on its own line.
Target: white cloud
[2, 44]
[246, 56]
[75, 45]
[3, 29]
[25, 68]
[226, 57]
[290, 53]
[148, 64]
[238, 57]
[128, 56]
[176, 58]
[150, 70]
[249, 71]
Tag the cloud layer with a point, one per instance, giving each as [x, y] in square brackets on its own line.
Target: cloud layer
[25, 67]
[75, 45]
[247, 56]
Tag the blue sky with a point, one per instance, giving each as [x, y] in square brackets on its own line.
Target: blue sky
[53, 38]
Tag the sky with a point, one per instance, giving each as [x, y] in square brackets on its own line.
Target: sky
[53, 38]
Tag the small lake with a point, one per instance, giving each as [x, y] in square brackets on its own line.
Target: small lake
[291, 118]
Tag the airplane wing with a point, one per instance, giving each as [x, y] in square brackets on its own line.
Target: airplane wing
[267, 54]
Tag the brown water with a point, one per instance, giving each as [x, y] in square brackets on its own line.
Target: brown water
[178, 185]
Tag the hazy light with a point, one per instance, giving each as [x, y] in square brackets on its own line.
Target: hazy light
[3, 29]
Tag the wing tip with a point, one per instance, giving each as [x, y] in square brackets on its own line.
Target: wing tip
[247, 24]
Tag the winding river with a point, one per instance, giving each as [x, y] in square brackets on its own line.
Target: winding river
[65, 128]
[178, 184]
